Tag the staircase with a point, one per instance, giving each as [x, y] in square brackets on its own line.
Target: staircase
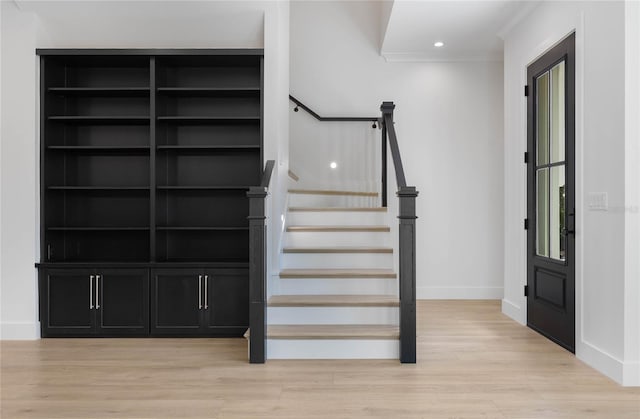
[337, 296]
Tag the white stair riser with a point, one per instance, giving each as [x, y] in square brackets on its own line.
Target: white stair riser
[333, 349]
[337, 260]
[334, 239]
[310, 200]
[333, 315]
[330, 286]
[336, 218]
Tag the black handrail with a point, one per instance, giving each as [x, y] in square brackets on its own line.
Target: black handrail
[258, 266]
[332, 118]
[407, 237]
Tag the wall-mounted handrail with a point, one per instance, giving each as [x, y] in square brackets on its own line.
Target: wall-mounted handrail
[407, 237]
[258, 266]
[374, 119]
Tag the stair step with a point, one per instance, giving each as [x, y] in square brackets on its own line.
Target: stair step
[337, 209]
[341, 249]
[331, 192]
[336, 229]
[323, 331]
[337, 273]
[333, 301]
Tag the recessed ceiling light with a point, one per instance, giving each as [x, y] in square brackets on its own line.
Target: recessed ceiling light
[438, 44]
[333, 165]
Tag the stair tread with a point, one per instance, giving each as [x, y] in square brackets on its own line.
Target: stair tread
[342, 300]
[331, 192]
[337, 273]
[338, 249]
[337, 209]
[330, 331]
[337, 228]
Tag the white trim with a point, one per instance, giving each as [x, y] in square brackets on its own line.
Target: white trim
[412, 57]
[459, 293]
[514, 311]
[526, 9]
[333, 349]
[19, 331]
[631, 374]
[600, 360]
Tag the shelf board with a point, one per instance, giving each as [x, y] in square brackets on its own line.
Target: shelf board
[208, 147]
[122, 119]
[98, 148]
[204, 188]
[99, 188]
[209, 91]
[101, 91]
[186, 228]
[87, 228]
[209, 119]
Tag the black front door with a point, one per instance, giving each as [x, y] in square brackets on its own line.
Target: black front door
[551, 194]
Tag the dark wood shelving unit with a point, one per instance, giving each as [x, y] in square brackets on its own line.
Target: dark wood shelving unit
[146, 158]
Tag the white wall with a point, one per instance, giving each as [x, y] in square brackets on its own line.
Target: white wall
[632, 194]
[449, 124]
[238, 24]
[600, 158]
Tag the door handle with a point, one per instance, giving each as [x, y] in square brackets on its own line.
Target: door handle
[206, 294]
[199, 292]
[97, 292]
[570, 228]
[90, 292]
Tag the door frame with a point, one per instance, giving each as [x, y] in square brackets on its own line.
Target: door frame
[527, 59]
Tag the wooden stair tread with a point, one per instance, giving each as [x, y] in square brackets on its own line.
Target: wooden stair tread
[343, 300]
[331, 331]
[345, 249]
[337, 273]
[337, 209]
[331, 192]
[339, 228]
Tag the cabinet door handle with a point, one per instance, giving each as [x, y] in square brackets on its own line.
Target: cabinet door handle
[199, 292]
[97, 291]
[206, 294]
[90, 292]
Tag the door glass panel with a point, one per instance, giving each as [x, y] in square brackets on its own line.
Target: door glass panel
[542, 114]
[542, 212]
[557, 213]
[557, 113]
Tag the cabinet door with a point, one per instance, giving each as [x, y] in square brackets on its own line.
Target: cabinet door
[227, 304]
[176, 302]
[66, 302]
[123, 303]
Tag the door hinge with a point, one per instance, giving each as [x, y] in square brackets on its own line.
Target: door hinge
[526, 224]
[526, 90]
[526, 157]
[526, 290]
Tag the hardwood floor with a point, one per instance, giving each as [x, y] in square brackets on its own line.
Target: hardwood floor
[473, 362]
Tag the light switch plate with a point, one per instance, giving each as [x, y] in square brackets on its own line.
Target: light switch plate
[598, 201]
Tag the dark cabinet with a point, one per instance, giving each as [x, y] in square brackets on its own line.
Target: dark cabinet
[94, 302]
[203, 302]
[146, 159]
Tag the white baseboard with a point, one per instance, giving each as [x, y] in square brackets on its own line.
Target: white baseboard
[333, 349]
[631, 374]
[601, 361]
[19, 331]
[514, 311]
[459, 293]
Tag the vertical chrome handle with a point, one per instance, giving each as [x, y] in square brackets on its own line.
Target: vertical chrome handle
[206, 294]
[199, 292]
[90, 292]
[97, 292]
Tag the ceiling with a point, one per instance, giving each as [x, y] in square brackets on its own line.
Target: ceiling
[469, 29]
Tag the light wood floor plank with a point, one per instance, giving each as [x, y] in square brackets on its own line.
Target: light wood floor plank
[473, 362]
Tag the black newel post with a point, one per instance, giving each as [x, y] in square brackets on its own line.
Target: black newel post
[257, 274]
